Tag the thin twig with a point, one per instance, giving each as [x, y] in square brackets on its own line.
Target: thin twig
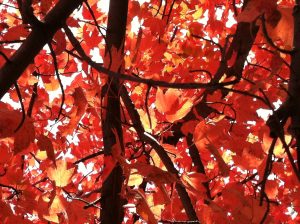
[89, 157]
[156, 83]
[22, 107]
[267, 171]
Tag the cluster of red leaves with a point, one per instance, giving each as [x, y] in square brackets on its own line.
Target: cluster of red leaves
[47, 172]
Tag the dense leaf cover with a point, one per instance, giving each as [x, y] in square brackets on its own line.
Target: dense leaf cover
[190, 116]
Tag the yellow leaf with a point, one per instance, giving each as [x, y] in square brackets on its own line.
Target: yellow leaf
[145, 120]
[61, 175]
[53, 85]
[134, 178]
[57, 207]
[279, 150]
[41, 155]
[198, 13]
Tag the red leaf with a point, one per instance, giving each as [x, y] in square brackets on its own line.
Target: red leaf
[16, 33]
[60, 44]
[44, 143]
[79, 109]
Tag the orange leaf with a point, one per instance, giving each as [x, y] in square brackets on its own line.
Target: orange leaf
[172, 104]
[145, 120]
[200, 132]
[183, 108]
[284, 29]
[60, 174]
[116, 56]
[194, 182]
[271, 189]
[80, 105]
[145, 212]
[166, 101]
[278, 149]
[204, 135]
[57, 207]
[110, 161]
[142, 207]
[153, 173]
[224, 169]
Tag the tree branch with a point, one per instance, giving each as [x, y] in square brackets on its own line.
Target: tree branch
[36, 40]
[186, 201]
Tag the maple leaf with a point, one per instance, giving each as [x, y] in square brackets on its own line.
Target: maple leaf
[271, 189]
[110, 161]
[153, 173]
[60, 174]
[56, 209]
[45, 144]
[194, 182]
[204, 136]
[117, 55]
[255, 8]
[283, 29]
[195, 46]
[80, 105]
[5, 210]
[60, 39]
[135, 179]
[16, 32]
[172, 104]
[145, 119]
[142, 207]
[9, 122]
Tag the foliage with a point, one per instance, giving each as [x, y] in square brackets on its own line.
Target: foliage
[207, 123]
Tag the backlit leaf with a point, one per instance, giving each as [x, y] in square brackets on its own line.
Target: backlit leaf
[45, 144]
[60, 174]
[80, 105]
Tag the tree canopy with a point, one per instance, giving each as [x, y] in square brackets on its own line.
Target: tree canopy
[149, 111]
